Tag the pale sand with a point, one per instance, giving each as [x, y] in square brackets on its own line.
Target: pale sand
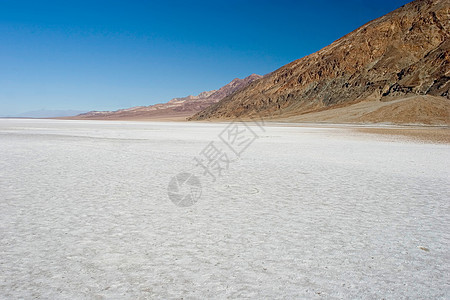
[413, 110]
[424, 134]
[417, 133]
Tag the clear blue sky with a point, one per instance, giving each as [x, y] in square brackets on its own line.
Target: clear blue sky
[106, 55]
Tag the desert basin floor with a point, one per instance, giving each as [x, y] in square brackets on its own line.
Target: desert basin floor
[277, 212]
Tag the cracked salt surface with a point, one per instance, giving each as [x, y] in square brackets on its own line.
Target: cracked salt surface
[305, 213]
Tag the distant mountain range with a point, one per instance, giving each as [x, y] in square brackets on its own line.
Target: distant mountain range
[392, 69]
[44, 113]
[177, 108]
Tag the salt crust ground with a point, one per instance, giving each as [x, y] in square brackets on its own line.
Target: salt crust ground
[306, 212]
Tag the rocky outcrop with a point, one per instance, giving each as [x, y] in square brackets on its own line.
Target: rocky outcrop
[401, 54]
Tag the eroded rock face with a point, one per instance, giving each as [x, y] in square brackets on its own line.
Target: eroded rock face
[403, 53]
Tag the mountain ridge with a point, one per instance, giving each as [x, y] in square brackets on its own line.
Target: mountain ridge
[398, 55]
[179, 108]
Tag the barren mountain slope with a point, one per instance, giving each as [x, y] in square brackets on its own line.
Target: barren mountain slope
[401, 54]
[177, 108]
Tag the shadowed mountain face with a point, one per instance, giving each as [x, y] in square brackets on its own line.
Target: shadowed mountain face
[403, 54]
[175, 108]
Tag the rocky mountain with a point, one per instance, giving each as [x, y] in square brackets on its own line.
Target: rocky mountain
[402, 57]
[177, 108]
[235, 85]
[202, 95]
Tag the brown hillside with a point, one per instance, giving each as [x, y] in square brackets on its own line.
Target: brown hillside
[175, 109]
[402, 54]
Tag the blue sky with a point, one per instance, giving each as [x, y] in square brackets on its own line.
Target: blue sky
[106, 55]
